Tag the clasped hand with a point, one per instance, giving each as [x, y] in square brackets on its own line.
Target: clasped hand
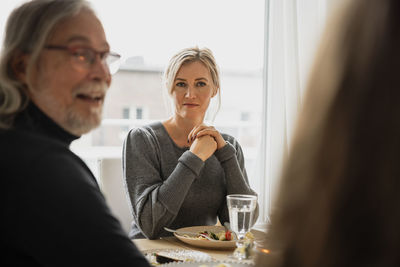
[204, 141]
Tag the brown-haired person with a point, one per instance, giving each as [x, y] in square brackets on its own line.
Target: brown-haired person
[338, 204]
[54, 75]
[179, 171]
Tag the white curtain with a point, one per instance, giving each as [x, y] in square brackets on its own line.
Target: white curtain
[293, 30]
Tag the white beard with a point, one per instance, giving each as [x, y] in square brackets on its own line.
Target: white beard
[76, 122]
[69, 117]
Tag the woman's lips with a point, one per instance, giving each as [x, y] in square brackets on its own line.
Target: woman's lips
[190, 105]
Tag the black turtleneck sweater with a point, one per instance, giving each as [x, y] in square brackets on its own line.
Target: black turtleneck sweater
[52, 211]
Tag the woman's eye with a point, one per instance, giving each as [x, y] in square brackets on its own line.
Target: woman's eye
[201, 84]
[181, 84]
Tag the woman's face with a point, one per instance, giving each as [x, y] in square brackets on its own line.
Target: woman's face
[192, 90]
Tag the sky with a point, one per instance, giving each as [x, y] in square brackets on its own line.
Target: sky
[157, 29]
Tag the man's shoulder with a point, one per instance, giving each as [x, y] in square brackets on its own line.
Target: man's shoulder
[24, 149]
[14, 139]
[27, 155]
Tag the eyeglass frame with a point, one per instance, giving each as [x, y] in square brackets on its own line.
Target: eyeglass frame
[86, 63]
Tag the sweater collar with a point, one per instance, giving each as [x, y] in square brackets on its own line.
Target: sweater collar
[34, 120]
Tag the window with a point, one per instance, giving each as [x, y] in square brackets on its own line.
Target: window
[126, 113]
[134, 112]
[139, 113]
[148, 33]
[147, 37]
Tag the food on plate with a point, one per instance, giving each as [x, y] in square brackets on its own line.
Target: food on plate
[220, 236]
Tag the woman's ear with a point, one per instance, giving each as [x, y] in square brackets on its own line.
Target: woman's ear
[18, 65]
[215, 91]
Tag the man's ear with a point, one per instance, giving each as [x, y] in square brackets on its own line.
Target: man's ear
[18, 65]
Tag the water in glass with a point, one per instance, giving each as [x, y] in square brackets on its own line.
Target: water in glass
[241, 211]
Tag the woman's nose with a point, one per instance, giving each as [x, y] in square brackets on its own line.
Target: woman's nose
[190, 92]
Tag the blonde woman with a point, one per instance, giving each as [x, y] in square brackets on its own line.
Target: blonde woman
[179, 171]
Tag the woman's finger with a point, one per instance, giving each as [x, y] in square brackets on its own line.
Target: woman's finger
[193, 133]
[215, 134]
[207, 131]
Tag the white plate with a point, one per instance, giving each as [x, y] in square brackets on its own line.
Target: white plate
[204, 243]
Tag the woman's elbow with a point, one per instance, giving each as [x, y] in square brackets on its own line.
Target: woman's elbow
[147, 229]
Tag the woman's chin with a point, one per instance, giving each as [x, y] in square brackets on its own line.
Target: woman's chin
[193, 117]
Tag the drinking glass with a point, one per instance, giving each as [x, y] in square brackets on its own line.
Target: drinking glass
[241, 210]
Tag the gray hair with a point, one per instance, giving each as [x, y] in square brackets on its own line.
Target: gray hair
[28, 27]
[188, 55]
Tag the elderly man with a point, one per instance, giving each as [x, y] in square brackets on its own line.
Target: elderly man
[54, 74]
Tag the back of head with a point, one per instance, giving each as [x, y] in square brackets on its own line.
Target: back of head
[337, 204]
[27, 29]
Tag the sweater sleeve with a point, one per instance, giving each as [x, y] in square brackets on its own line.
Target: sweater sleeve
[155, 201]
[232, 161]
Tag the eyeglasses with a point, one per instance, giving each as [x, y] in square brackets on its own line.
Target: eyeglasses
[83, 58]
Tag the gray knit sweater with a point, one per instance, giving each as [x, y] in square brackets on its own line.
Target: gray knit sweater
[170, 186]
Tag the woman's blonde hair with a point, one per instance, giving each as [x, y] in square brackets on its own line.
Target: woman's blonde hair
[28, 27]
[338, 199]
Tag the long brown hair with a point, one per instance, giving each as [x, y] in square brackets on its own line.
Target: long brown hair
[340, 189]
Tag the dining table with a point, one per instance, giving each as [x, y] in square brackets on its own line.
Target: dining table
[173, 243]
